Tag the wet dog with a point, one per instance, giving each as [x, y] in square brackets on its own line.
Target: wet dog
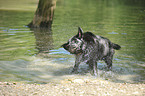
[90, 48]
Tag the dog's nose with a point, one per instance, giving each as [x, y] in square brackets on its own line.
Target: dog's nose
[62, 45]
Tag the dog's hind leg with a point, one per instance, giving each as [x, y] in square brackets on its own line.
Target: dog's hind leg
[109, 59]
[109, 63]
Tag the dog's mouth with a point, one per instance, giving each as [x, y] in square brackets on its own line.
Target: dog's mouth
[76, 52]
[72, 50]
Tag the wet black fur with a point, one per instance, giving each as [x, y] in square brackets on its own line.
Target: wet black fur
[90, 48]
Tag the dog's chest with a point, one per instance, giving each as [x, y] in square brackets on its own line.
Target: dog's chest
[89, 53]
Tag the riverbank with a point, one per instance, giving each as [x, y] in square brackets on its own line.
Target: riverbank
[72, 87]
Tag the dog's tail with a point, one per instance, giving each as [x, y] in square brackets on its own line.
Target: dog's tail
[116, 46]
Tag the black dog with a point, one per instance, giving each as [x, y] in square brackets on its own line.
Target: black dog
[91, 48]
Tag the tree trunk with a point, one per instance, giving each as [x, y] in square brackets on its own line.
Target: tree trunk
[44, 14]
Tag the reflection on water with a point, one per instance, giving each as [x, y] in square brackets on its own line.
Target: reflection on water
[35, 55]
[44, 40]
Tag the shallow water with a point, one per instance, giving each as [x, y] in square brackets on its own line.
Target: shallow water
[30, 55]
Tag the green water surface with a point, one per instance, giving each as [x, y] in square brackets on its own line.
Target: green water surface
[35, 55]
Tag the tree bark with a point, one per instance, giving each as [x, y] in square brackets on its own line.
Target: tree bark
[44, 14]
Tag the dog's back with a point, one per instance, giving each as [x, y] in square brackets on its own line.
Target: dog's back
[104, 44]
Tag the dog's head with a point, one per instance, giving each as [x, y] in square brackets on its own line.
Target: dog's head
[75, 44]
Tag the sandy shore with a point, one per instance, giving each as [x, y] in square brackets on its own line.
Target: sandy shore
[72, 87]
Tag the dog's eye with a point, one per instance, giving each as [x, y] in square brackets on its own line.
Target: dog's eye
[76, 41]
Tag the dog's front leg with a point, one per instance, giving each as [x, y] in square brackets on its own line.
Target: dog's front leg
[75, 69]
[95, 70]
[77, 63]
[93, 66]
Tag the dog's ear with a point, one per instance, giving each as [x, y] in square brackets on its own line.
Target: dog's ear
[80, 33]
